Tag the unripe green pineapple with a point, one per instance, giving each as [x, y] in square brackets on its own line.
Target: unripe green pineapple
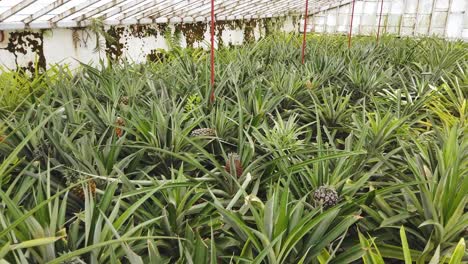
[309, 85]
[203, 132]
[41, 152]
[119, 124]
[72, 177]
[326, 196]
[124, 100]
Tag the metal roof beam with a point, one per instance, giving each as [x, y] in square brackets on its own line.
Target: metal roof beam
[120, 9]
[51, 7]
[324, 5]
[183, 12]
[285, 8]
[222, 11]
[73, 10]
[239, 7]
[132, 12]
[253, 9]
[172, 11]
[236, 7]
[156, 10]
[195, 15]
[12, 25]
[99, 10]
[223, 6]
[15, 9]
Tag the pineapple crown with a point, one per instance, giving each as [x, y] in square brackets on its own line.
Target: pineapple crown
[120, 121]
[42, 151]
[309, 84]
[233, 156]
[101, 97]
[192, 102]
[72, 176]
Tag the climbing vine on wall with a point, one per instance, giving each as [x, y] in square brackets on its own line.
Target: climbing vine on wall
[25, 42]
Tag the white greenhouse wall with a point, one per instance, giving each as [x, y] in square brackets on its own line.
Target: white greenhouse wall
[22, 49]
[443, 18]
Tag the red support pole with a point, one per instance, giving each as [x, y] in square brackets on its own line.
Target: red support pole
[305, 31]
[212, 58]
[351, 26]
[380, 20]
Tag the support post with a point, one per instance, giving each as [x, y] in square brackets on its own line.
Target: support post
[380, 21]
[351, 25]
[212, 58]
[305, 31]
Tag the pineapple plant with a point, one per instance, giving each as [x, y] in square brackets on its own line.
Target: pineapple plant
[3, 136]
[308, 143]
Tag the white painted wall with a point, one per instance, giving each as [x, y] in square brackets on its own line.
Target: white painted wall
[443, 18]
[71, 46]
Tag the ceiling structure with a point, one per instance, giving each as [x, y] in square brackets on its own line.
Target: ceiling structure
[43, 14]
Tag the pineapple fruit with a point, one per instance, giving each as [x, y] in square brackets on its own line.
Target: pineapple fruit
[233, 161]
[326, 196]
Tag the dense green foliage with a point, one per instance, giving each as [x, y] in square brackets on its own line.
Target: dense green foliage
[359, 155]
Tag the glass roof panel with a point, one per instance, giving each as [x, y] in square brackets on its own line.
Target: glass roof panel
[52, 13]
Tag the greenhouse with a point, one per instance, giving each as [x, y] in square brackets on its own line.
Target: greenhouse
[233, 131]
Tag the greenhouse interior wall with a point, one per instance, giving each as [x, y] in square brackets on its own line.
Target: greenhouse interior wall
[138, 43]
[443, 18]
[135, 43]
